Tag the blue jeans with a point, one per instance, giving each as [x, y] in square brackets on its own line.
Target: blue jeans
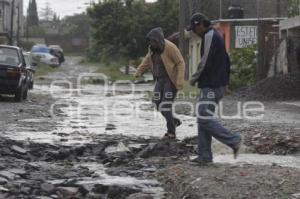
[208, 126]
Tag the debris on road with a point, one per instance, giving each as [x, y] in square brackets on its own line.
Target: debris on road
[271, 142]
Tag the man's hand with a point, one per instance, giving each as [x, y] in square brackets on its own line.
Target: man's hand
[137, 75]
[193, 82]
[227, 91]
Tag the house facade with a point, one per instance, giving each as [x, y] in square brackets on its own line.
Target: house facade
[290, 44]
[240, 22]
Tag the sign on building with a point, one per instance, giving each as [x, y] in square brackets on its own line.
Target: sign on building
[245, 36]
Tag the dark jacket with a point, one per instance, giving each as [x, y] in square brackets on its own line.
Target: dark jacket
[214, 69]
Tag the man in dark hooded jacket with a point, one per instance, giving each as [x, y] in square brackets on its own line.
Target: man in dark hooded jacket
[212, 77]
[167, 65]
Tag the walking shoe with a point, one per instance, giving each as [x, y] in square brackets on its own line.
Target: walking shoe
[169, 136]
[177, 122]
[236, 149]
[201, 162]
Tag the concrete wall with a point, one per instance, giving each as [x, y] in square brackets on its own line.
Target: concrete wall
[290, 31]
[69, 44]
[194, 50]
[5, 17]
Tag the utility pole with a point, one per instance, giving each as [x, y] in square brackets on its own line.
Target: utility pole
[259, 56]
[12, 22]
[18, 26]
[298, 7]
[278, 8]
[221, 9]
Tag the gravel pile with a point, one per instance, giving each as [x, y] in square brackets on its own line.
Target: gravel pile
[281, 87]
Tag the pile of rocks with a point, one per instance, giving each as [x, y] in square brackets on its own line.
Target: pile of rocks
[281, 87]
[45, 171]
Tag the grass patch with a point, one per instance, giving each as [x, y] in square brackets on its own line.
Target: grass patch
[74, 54]
[111, 70]
[43, 69]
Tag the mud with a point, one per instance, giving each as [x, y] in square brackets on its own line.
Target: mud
[64, 143]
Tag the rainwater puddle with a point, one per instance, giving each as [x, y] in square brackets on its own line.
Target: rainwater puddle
[256, 159]
[93, 112]
[147, 186]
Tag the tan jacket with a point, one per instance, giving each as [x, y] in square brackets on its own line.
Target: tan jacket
[173, 61]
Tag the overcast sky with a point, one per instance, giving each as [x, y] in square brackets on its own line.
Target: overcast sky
[64, 7]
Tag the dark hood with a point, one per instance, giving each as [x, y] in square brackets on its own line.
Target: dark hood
[157, 35]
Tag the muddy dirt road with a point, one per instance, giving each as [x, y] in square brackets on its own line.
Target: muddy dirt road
[77, 140]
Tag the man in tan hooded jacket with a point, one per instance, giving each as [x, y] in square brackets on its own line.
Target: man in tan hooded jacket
[168, 67]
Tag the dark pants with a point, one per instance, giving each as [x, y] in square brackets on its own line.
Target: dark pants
[163, 98]
[209, 127]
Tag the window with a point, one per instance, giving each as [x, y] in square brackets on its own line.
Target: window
[9, 56]
[39, 49]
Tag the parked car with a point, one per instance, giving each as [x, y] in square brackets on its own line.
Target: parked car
[42, 53]
[30, 66]
[56, 47]
[58, 52]
[13, 73]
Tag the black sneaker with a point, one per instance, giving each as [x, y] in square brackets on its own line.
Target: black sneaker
[177, 122]
[201, 162]
[169, 136]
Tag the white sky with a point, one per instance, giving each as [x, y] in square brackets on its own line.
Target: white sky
[64, 7]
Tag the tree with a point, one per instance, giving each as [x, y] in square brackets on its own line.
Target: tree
[47, 13]
[56, 18]
[32, 14]
[294, 7]
[76, 25]
[119, 27]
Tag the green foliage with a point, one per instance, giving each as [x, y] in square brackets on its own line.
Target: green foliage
[32, 14]
[111, 69]
[26, 45]
[294, 8]
[119, 27]
[243, 67]
[47, 13]
[43, 69]
[76, 25]
[36, 31]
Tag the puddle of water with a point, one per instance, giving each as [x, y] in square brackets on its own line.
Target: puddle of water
[50, 137]
[96, 111]
[256, 159]
[35, 120]
[283, 113]
[297, 103]
[147, 186]
[119, 148]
